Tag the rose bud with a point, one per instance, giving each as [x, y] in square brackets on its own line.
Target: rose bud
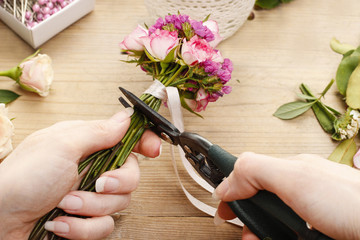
[37, 75]
[34, 74]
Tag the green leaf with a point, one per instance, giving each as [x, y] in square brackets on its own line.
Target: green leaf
[344, 152]
[184, 105]
[327, 87]
[7, 96]
[345, 69]
[267, 4]
[325, 118]
[353, 89]
[334, 111]
[171, 56]
[306, 97]
[292, 109]
[341, 48]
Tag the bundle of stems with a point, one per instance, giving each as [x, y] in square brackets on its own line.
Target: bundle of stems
[113, 158]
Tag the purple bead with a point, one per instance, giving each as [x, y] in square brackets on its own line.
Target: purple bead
[42, 2]
[46, 10]
[36, 7]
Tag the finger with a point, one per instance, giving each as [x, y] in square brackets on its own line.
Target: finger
[80, 228]
[254, 172]
[248, 235]
[149, 145]
[120, 181]
[225, 211]
[93, 204]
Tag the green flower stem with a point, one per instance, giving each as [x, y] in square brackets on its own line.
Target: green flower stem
[13, 73]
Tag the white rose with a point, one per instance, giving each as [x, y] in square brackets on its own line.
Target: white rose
[37, 74]
[6, 132]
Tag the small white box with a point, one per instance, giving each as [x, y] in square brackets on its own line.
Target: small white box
[48, 28]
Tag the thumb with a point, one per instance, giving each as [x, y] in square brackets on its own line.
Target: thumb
[252, 172]
[96, 135]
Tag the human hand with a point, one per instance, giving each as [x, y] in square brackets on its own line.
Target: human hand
[41, 173]
[323, 193]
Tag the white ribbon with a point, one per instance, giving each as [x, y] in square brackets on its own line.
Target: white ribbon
[174, 105]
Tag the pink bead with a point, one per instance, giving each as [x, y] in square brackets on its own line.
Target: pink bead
[42, 2]
[46, 16]
[64, 4]
[53, 11]
[53, 1]
[60, 1]
[39, 17]
[50, 5]
[28, 15]
[36, 7]
[46, 10]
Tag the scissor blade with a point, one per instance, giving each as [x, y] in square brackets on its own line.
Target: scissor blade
[161, 124]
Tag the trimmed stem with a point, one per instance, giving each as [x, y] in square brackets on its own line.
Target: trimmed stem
[13, 73]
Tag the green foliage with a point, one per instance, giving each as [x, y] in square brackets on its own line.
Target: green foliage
[269, 4]
[344, 152]
[7, 96]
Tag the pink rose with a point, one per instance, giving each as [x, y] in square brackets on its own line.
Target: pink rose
[200, 102]
[133, 41]
[6, 132]
[198, 50]
[37, 74]
[214, 28]
[160, 43]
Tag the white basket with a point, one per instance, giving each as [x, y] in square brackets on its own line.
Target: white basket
[230, 14]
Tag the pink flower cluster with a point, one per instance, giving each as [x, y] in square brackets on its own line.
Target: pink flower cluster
[179, 40]
[43, 9]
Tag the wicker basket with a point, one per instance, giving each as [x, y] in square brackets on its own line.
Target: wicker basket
[230, 14]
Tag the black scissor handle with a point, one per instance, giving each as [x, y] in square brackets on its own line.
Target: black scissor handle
[265, 203]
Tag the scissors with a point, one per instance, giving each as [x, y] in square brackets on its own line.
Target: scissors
[265, 214]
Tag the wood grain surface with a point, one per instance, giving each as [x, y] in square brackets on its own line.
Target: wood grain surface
[272, 56]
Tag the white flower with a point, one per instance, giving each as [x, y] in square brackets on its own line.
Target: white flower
[352, 128]
[6, 132]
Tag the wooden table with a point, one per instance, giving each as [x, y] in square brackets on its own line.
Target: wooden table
[272, 55]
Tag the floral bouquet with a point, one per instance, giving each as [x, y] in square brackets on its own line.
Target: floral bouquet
[176, 51]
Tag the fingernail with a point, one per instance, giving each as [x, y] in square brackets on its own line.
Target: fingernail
[70, 202]
[160, 149]
[122, 116]
[218, 220]
[129, 111]
[57, 227]
[215, 196]
[107, 184]
[220, 191]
